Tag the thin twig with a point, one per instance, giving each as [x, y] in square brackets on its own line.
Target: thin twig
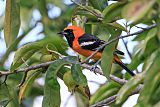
[117, 38]
[23, 79]
[125, 44]
[54, 52]
[106, 101]
[5, 79]
[95, 82]
[126, 47]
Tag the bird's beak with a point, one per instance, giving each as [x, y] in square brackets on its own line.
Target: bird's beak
[62, 33]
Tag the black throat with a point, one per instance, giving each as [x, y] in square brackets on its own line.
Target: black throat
[69, 37]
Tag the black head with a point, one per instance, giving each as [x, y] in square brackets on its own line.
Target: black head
[69, 35]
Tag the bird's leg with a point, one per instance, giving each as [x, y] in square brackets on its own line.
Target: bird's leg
[79, 59]
[94, 67]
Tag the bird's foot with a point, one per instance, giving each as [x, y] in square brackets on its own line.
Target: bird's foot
[79, 58]
[93, 69]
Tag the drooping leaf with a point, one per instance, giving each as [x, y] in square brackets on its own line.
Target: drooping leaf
[12, 21]
[9, 93]
[145, 51]
[69, 82]
[74, 86]
[13, 96]
[52, 87]
[91, 13]
[81, 100]
[104, 91]
[136, 9]
[24, 53]
[107, 56]
[149, 94]
[129, 87]
[113, 12]
[78, 76]
[28, 83]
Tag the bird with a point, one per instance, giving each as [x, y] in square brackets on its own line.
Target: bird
[85, 44]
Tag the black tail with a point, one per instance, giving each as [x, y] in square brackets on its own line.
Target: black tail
[124, 67]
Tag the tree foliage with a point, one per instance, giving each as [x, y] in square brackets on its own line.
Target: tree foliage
[49, 58]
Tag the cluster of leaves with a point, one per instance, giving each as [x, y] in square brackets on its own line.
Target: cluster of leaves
[97, 17]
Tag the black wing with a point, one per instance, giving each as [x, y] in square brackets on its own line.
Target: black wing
[90, 42]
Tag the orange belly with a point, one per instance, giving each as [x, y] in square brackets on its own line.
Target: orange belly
[76, 47]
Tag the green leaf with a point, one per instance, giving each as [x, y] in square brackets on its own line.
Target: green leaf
[149, 94]
[8, 93]
[78, 76]
[104, 91]
[52, 87]
[24, 89]
[113, 12]
[107, 55]
[4, 103]
[117, 26]
[137, 9]
[99, 4]
[13, 96]
[24, 53]
[141, 36]
[90, 12]
[73, 86]
[12, 21]
[69, 82]
[81, 100]
[144, 50]
[129, 87]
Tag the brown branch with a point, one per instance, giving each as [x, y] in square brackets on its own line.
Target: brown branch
[112, 77]
[97, 70]
[86, 66]
[117, 38]
[23, 79]
[2, 73]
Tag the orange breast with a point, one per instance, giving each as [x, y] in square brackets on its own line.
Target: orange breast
[76, 47]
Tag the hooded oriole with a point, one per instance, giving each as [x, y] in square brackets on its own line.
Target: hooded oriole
[86, 44]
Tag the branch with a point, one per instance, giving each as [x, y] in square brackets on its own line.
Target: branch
[97, 70]
[106, 101]
[86, 66]
[2, 73]
[112, 77]
[117, 38]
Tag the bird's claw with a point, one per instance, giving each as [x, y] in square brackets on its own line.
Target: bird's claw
[94, 67]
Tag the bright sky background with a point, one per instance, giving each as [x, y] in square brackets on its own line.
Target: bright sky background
[90, 76]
